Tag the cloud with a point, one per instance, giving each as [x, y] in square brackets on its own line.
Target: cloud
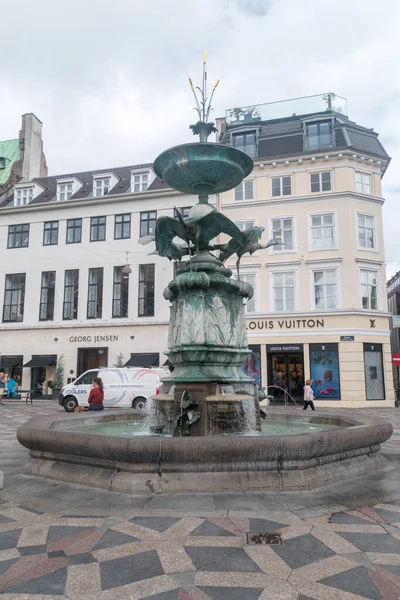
[258, 8]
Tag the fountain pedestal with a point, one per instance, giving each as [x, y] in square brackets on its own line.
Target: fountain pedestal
[207, 348]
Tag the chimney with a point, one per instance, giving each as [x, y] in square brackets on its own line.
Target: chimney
[31, 147]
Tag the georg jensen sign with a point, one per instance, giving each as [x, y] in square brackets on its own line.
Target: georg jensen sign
[92, 338]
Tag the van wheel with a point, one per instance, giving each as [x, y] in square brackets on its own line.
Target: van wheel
[139, 403]
[70, 403]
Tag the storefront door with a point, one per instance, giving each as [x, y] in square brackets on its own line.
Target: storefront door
[91, 358]
[38, 379]
[285, 372]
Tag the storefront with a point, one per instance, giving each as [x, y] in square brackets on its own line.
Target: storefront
[348, 358]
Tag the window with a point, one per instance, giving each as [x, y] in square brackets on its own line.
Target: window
[120, 293]
[74, 231]
[71, 290]
[319, 135]
[244, 191]
[122, 227]
[47, 291]
[325, 289]
[320, 182]
[87, 378]
[140, 182]
[50, 233]
[284, 291]
[369, 289]
[95, 294]
[146, 291]
[244, 225]
[14, 296]
[246, 142]
[363, 182]
[148, 223]
[282, 230]
[322, 232]
[24, 196]
[374, 373]
[366, 231]
[101, 186]
[65, 190]
[324, 371]
[2, 162]
[184, 211]
[18, 236]
[97, 229]
[281, 186]
[250, 278]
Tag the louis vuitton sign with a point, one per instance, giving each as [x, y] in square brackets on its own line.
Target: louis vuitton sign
[286, 324]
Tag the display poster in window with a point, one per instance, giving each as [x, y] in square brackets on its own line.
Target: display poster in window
[324, 371]
[373, 366]
[252, 366]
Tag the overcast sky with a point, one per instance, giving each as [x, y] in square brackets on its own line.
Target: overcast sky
[109, 79]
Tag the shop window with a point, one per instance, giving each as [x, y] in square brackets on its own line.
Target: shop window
[373, 369]
[324, 371]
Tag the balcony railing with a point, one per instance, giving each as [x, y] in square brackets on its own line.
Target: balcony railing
[146, 307]
[46, 311]
[13, 313]
[120, 308]
[94, 309]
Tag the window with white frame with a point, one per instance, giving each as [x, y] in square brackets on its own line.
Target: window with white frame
[101, 186]
[284, 291]
[281, 186]
[24, 196]
[363, 182]
[65, 190]
[366, 231]
[250, 306]
[283, 231]
[369, 289]
[244, 225]
[244, 191]
[325, 286]
[321, 182]
[322, 231]
[140, 182]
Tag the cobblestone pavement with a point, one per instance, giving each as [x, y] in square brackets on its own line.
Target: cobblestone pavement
[60, 541]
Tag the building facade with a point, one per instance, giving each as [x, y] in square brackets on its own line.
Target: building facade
[393, 294]
[319, 310]
[75, 282]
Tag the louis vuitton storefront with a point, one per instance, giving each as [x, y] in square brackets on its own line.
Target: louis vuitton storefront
[347, 356]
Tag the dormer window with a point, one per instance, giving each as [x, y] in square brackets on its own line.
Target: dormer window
[246, 142]
[3, 162]
[65, 190]
[101, 186]
[140, 182]
[23, 196]
[319, 135]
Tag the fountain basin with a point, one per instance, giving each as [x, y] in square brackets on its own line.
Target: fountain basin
[162, 464]
[203, 167]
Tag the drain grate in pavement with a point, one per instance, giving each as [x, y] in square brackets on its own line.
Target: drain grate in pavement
[264, 539]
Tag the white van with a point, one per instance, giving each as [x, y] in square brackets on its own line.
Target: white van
[123, 388]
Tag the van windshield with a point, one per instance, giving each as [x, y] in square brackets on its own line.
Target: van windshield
[86, 378]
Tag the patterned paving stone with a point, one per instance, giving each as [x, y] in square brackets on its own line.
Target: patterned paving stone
[9, 539]
[211, 529]
[231, 593]
[6, 564]
[302, 551]
[156, 523]
[221, 559]
[264, 525]
[171, 595]
[388, 515]
[29, 550]
[369, 542]
[113, 538]
[301, 597]
[393, 568]
[355, 581]
[81, 559]
[345, 519]
[4, 519]
[121, 571]
[59, 532]
[51, 583]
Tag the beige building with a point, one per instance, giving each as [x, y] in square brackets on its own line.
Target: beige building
[319, 310]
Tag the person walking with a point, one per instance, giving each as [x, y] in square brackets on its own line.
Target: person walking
[96, 396]
[2, 387]
[11, 383]
[308, 395]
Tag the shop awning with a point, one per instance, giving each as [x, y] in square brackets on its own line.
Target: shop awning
[8, 362]
[42, 360]
[396, 359]
[143, 360]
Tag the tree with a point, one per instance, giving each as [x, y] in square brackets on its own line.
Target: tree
[120, 360]
[58, 379]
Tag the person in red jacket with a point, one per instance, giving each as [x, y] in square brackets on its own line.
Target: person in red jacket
[96, 395]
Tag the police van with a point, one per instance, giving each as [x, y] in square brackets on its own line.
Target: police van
[123, 388]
